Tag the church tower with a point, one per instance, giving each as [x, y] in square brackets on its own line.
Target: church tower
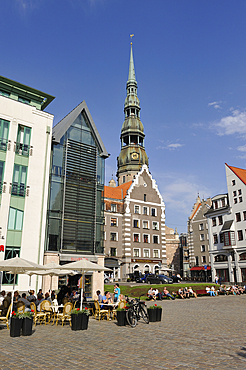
[132, 156]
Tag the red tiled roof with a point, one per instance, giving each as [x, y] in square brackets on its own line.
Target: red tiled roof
[119, 192]
[239, 172]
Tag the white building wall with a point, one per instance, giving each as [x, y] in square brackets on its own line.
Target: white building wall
[34, 221]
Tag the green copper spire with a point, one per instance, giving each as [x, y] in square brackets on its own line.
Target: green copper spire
[132, 155]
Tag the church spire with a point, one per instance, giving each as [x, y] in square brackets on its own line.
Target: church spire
[131, 75]
[132, 155]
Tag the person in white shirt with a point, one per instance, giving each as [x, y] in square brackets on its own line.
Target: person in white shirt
[2, 296]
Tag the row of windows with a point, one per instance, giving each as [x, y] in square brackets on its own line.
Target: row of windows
[239, 218]
[202, 237]
[19, 179]
[136, 238]
[137, 252]
[220, 220]
[219, 203]
[145, 210]
[137, 223]
[23, 138]
[203, 260]
[146, 253]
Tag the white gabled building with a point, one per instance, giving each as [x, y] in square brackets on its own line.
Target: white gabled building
[25, 147]
[227, 229]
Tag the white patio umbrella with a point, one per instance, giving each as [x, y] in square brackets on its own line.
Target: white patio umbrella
[18, 265]
[82, 266]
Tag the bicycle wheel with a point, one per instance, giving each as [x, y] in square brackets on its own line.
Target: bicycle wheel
[144, 314]
[131, 317]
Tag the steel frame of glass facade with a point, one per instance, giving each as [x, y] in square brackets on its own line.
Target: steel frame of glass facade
[75, 211]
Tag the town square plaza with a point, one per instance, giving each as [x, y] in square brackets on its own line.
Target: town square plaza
[202, 333]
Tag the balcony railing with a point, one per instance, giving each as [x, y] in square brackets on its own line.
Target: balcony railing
[18, 189]
[22, 149]
[3, 144]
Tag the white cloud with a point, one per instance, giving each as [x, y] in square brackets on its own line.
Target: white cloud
[215, 104]
[235, 123]
[171, 146]
[242, 148]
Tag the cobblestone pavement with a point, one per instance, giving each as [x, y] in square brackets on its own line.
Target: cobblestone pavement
[202, 333]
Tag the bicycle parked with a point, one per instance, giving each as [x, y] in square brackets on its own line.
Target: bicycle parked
[137, 310]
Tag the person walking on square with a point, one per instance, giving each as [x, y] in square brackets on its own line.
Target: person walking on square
[116, 292]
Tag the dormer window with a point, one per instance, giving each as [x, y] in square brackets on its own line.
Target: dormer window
[215, 204]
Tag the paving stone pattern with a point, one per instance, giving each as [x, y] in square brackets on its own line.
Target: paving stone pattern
[202, 333]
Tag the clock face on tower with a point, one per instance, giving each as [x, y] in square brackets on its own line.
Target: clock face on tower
[134, 155]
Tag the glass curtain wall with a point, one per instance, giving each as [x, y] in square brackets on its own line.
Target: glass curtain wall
[75, 219]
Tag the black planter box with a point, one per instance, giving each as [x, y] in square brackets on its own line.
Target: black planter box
[15, 327]
[121, 318]
[158, 314]
[76, 320]
[84, 321]
[27, 326]
[152, 314]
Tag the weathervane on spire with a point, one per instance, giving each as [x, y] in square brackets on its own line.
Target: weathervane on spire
[131, 36]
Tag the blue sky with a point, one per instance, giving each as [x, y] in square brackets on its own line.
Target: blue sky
[190, 63]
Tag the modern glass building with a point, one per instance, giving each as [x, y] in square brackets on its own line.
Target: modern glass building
[75, 210]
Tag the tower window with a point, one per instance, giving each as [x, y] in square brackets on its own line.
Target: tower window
[124, 179]
[145, 197]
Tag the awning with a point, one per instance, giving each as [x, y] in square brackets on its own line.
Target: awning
[199, 268]
[227, 226]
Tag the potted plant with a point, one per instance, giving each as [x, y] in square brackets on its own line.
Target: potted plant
[158, 313]
[27, 321]
[15, 324]
[121, 316]
[152, 313]
[76, 319]
[85, 318]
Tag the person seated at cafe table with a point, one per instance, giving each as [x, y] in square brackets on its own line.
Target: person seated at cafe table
[106, 300]
[6, 302]
[47, 297]
[99, 296]
[38, 301]
[25, 301]
[31, 297]
[74, 296]
[2, 296]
